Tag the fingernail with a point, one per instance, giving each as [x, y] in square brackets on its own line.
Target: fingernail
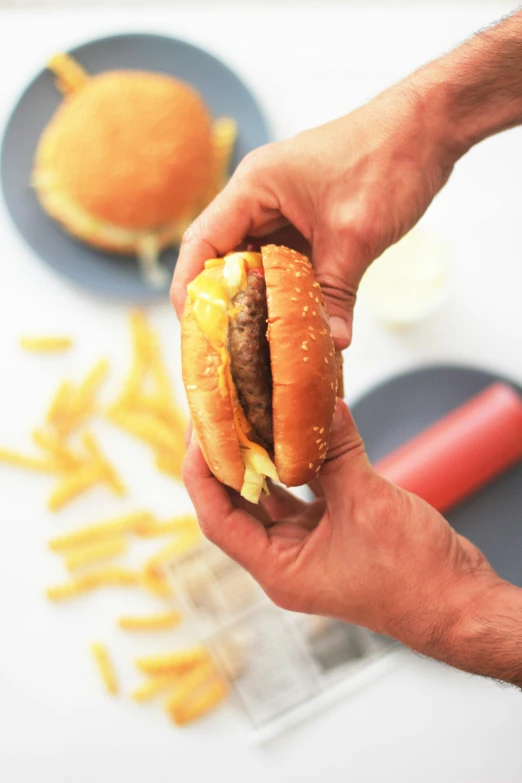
[340, 330]
[338, 418]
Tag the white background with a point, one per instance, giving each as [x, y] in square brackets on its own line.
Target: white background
[423, 722]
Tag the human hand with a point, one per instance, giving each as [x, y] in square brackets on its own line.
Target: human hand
[347, 189]
[364, 551]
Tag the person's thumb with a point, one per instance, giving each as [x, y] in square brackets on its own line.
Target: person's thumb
[346, 458]
[338, 271]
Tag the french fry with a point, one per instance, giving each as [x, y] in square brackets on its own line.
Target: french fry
[153, 687]
[186, 540]
[159, 372]
[71, 406]
[84, 397]
[110, 576]
[57, 449]
[30, 463]
[144, 426]
[189, 684]
[93, 449]
[141, 350]
[151, 622]
[70, 76]
[173, 663]
[101, 550]
[58, 411]
[156, 582]
[165, 410]
[151, 528]
[46, 344]
[100, 530]
[105, 667]
[76, 483]
[210, 697]
[170, 462]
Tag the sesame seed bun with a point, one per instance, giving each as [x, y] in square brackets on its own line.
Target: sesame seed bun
[304, 370]
[130, 152]
[304, 376]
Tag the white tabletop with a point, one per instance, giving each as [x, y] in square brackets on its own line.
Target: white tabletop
[422, 722]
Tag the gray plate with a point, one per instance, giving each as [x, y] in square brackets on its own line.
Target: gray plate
[111, 275]
[397, 410]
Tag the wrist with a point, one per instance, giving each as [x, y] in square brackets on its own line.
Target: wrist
[480, 627]
[486, 638]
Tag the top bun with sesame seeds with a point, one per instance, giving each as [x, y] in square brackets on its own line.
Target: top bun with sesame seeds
[259, 368]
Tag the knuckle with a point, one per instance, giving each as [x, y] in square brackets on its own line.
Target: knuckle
[356, 228]
[337, 291]
[254, 163]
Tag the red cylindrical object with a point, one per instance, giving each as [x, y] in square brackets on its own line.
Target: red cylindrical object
[461, 452]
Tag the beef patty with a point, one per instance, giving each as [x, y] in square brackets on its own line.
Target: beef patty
[250, 356]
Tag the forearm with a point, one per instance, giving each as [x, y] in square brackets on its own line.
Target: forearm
[481, 628]
[475, 91]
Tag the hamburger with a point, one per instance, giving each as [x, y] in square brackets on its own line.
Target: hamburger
[129, 159]
[259, 368]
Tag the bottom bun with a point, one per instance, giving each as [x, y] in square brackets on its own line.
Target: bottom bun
[211, 412]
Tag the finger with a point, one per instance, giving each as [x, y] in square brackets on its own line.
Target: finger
[346, 462]
[256, 510]
[244, 207]
[236, 532]
[281, 503]
[339, 272]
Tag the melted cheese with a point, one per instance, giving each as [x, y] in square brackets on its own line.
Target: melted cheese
[211, 294]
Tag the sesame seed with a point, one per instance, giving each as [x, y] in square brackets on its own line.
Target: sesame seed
[305, 358]
[310, 465]
[304, 347]
[311, 329]
[305, 308]
[293, 299]
[331, 387]
[317, 299]
[313, 336]
[321, 431]
[310, 294]
[316, 285]
[298, 290]
[313, 312]
[316, 429]
[325, 360]
[298, 274]
[319, 441]
[192, 386]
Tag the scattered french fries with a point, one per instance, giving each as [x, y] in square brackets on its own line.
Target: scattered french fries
[137, 520]
[105, 667]
[152, 416]
[146, 408]
[151, 622]
[153, 686]
[105, 549]
[110, 576]
[173, 663]
[46, 344]
[209, 697]
[17, 460]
